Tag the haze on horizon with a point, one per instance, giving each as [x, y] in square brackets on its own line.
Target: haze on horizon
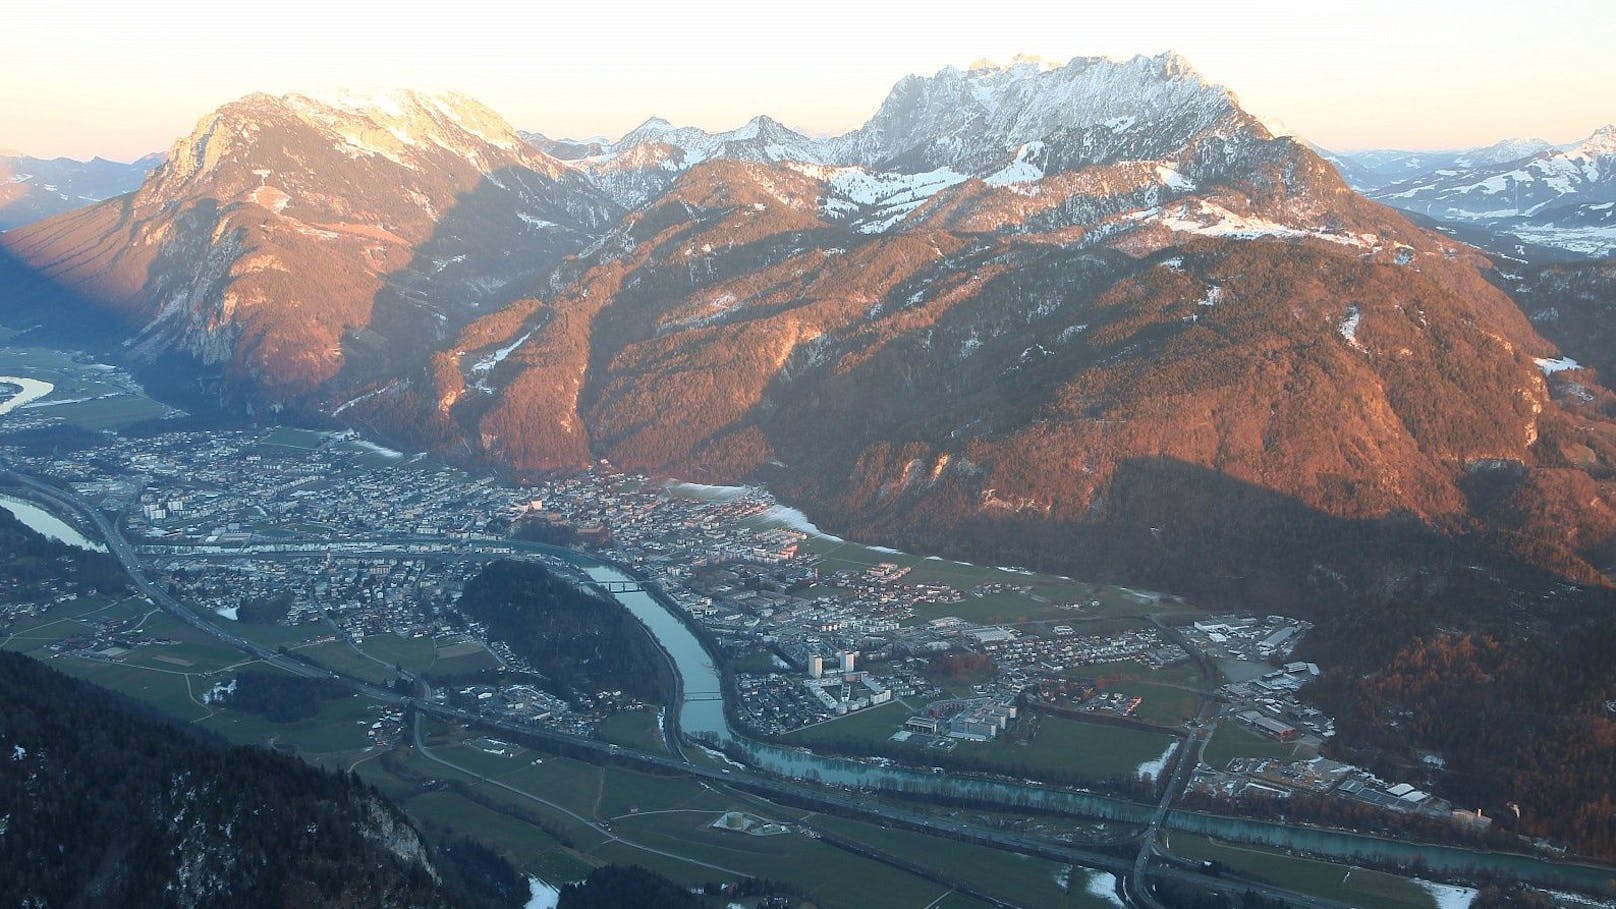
[124, 80]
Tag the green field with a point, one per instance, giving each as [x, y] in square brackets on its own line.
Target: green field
[872, 726]
[1018, 878]
[630, 794]
[1233, 740]
[338, 730]
[454, 657]
[292, 437]
[670, 814]
[832, 877]
[173, 692]
[524, 845]
[1048, 591]
[110, 412]
[66, 620]
[1124, 671]
[170, 676]
[633, 728]
[289, 636]
[193, 650]
[1164, 705]
[339, 657]
[1342, 883]
[414, 654]
[1171, 694]
[1066, 746]
[448, 667]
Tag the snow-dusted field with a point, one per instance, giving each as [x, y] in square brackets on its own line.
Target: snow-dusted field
[1448, 896]
[32, 390]
[1550, 367]
[1103, 884]
[542, 895]
[793, 518]
[1154, 767]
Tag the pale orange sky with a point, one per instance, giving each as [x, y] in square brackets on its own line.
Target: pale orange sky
[121, 80]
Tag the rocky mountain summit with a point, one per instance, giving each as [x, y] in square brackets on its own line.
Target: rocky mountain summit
[289, 239]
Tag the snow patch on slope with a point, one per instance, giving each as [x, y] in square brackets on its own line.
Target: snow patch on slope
[1550, 367]
[487, 364]
[1208, 219]
[1023, 169]
[876, 202]
[1349, 327]
[541, 895]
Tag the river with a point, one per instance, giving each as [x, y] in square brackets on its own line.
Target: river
[47, 524]
[701, 716]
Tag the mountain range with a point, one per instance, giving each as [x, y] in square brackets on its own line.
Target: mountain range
[1092, 316]
[32, 189]
[1560, 197]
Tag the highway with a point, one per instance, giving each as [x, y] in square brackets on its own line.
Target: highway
[68, 500]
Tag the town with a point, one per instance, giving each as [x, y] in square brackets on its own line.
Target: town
[356, 555]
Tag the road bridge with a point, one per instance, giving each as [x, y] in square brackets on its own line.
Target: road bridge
[618, 586]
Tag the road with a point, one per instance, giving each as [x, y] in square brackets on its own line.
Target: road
[1189, 755]
[68, 500]
[420, 747]
[823, 798]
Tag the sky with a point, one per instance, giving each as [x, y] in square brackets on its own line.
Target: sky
[123, 79]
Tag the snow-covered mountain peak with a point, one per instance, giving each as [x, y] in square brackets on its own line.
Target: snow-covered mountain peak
[1503, 152]
[285, 144]
[648, 158]
[968, 119]
[653, 129]
[411, 117]
[762, 124]
[1601, 144]
[1019, 65]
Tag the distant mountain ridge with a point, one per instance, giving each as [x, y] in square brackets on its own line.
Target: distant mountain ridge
[1556, 196]
[32, 189]
[970, 122]
[648, 158]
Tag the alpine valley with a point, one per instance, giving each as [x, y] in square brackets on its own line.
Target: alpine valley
[1090, 318]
